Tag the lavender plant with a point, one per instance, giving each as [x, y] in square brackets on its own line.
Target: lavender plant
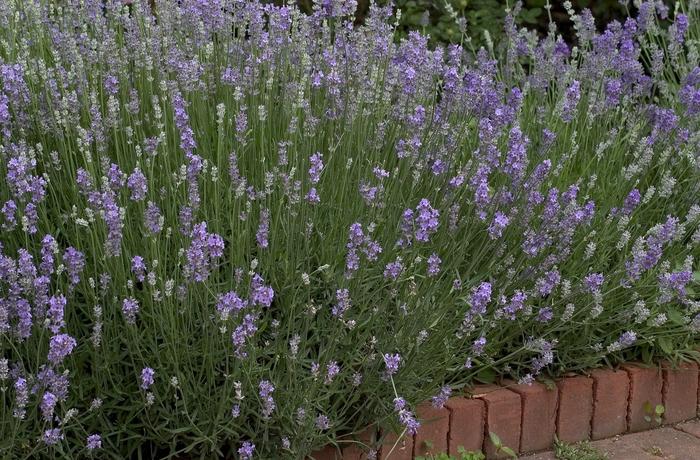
[232, 229]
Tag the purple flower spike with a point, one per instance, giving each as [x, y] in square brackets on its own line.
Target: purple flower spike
[60, 346]
[138, 185]
[94, 442]
[147, 378]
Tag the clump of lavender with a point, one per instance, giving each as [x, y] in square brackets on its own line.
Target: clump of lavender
[269, 196]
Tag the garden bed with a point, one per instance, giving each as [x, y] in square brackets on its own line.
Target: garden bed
[229, 228]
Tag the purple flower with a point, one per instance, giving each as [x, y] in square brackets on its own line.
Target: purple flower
[546, 284]
[332, 370]
[427, 220]
[322, 422]
[111, 84]
[153, 219]
[48, 404]
[23, 310]
[627, 339]
[204, 249]
[544, 315]
[434, 264]
[137, 184]
[480, 297]
[263, 229]
[392, 363]
[52, 436]
[147, 376]
[393, 269]
[343, 303]
[265, 391]
[680, 27]
[316, 168]
[57, 305]
[138, 268]
[48, 247]
[406, 417]
[246, 451]
[571, 99]
[516, 303]
[246, 329]
[115, 177]
[631, 202]
[8, 211]
[228, 303]
[130, 308]
[500, 222]
[594, 281]
[21, 398]
[75, 263]
[60, 346]
[441, 398]
[94, 441]
[312, 196]
[260, 293]
[478, 346]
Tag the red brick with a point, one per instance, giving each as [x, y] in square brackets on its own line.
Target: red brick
[431, 437]
[503, 414]
[575, 408]
[365, 441]
[327, 453]
[466, 424]
[680, 392]
[402, 451]
[610, 396]
[646, 384]
[539, 416]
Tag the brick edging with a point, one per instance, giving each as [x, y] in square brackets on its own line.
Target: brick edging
[600, 404]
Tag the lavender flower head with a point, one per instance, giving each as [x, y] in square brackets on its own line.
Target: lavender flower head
[434, 262]
[138, 185]
[130, 308]
[480, 297]
[406, 417]
[265, 391]
[94, 442]
[246, 451]
[147, 378]
[392, 363]
[138, 268]
[75, 263]
[60, 346]
[594, 281]
[52, 436]
[322, 422]
[263, 229]
[439, 400]
[342, 304]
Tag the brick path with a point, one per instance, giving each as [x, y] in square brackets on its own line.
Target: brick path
[679, 442]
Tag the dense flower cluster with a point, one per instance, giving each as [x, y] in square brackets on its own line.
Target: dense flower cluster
[229, 225]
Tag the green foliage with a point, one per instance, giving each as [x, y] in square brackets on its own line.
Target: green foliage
[463, 454]
[582, 450]
[500, 447]
[655, 413]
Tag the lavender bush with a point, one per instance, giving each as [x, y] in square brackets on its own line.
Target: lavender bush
[231, 229]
